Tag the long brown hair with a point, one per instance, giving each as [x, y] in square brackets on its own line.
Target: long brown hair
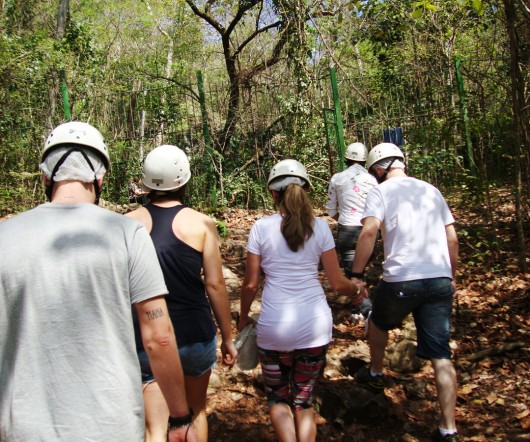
[298, 217]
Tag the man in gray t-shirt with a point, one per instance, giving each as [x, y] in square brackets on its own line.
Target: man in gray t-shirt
[69, 272]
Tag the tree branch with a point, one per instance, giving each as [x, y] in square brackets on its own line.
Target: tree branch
[273, 59]
[206, 16]
[254, 35]
[243, 8]
[186, 87]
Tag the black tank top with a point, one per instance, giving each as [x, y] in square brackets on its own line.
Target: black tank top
[181, 264]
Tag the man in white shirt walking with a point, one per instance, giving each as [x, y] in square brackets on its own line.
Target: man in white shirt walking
[419, 270]
[346, 199]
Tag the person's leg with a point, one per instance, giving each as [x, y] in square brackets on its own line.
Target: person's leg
[308, 366]
[346, 241]
[196, 389]
[377, 340]
[306, 426]
[156, 413]
[283, 422]
[366, 307]
[445, 376]
[433, 333]
[197, 361]
[276, 370]
[155, 406]
[392, 302]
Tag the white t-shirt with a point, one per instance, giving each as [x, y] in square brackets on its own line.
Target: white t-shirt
[413, 215]
[294, 311]
[347, 194]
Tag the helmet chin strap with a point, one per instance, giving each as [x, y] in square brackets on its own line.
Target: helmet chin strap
[49, 187]
[382, 178]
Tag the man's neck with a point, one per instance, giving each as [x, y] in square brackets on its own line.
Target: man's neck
[73, 192]
[396, 173]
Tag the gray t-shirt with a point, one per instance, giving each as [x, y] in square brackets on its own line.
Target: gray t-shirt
[68, 365]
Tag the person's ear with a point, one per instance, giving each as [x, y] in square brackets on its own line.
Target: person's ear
[45, 181]
[100, 182]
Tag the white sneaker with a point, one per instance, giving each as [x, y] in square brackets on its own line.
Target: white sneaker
[355, 318]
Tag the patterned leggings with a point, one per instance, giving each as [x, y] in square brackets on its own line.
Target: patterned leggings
[290, 376]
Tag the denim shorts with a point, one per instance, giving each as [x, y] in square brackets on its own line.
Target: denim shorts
[429, 300]
[196, 359]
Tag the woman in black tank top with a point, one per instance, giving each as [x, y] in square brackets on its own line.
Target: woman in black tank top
[187, 245]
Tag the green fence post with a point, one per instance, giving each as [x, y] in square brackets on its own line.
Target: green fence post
[328, 140]
[207, 139]
[338, 117]
[465, 116]
[64, 93]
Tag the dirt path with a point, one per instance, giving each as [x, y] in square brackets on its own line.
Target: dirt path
[491, 346]
[491, 352]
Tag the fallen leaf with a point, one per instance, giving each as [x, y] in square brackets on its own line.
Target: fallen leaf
[466, 389]
[523, 414]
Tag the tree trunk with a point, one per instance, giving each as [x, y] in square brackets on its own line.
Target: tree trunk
[520, 118]
[167, 73]
[63, 18]
[233, 100]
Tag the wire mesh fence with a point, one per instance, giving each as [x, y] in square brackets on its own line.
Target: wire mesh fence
[274, 120]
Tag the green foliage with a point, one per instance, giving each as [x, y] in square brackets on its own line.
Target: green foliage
[243, 189]
[19, 15]
[24, 192]
[395, 70]
[483, 248]
[435, 166]
[221, 224]
[423, 6]
[222, 228]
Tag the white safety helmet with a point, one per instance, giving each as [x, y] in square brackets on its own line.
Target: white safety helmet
[356, 152]
[166, 168]
[77, 132]
[288, 168]
[382, 151]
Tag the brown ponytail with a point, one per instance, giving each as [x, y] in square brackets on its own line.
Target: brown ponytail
[298, 217]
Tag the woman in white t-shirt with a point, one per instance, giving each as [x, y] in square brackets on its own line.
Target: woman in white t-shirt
[295, 322]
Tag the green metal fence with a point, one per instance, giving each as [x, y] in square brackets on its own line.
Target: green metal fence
[426, 116]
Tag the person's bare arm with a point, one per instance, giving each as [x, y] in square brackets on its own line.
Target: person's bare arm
[365, 243]
[332, 204]
[339, 283]
[216, 290]
[452, 245]
[160, 345]
[249, 289]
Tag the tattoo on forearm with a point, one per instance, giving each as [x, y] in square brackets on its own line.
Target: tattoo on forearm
[153, 314]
